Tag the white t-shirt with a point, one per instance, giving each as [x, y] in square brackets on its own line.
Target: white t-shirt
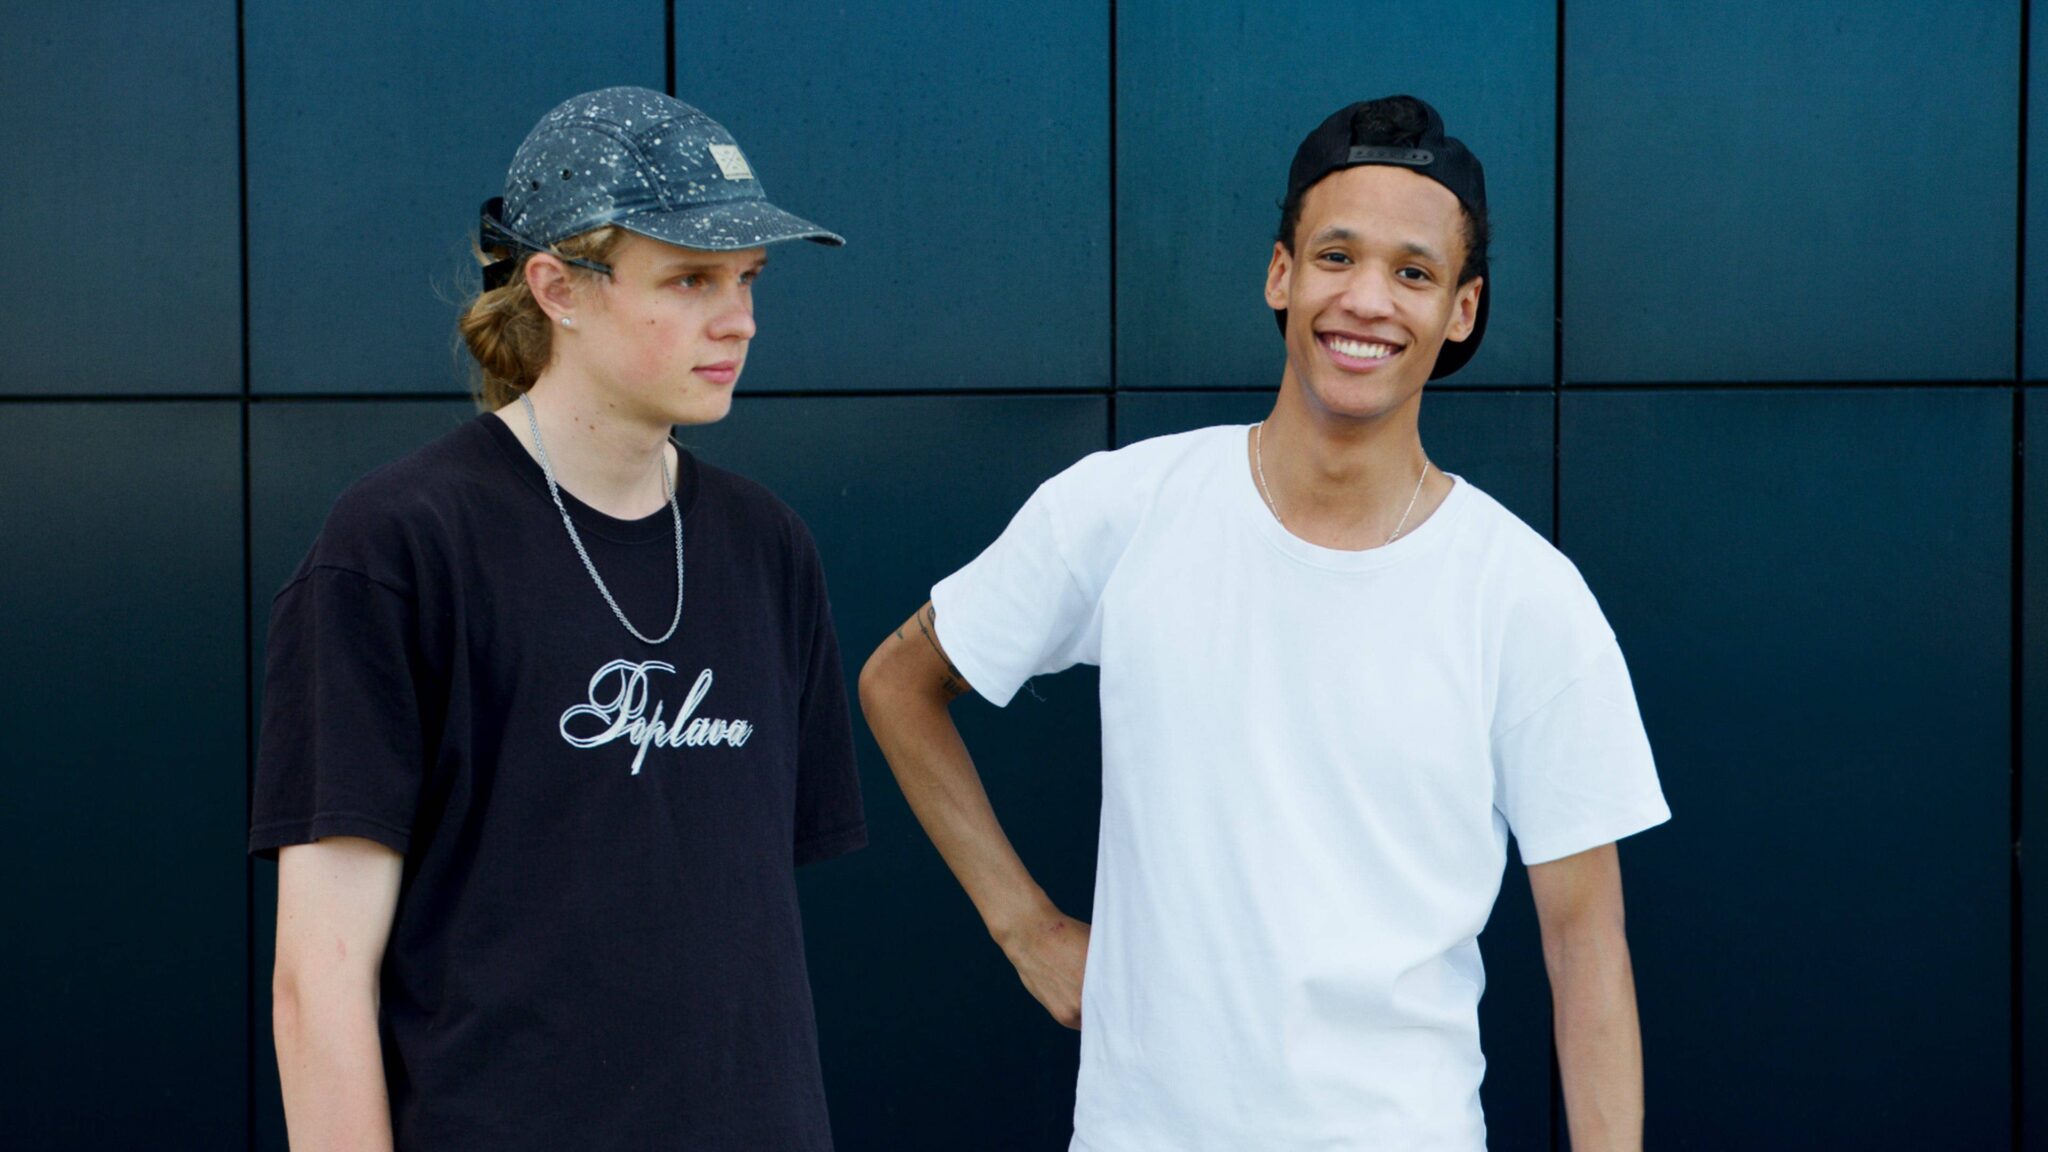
[1311, 763]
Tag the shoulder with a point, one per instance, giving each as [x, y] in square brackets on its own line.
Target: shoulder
[751, 513]
[743, 495]
[1141, 468]
[1090, 511]
[1519, 562]
[1116, 488]
[1547, 618]
[381, 524]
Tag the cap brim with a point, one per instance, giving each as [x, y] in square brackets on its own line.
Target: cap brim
[726, 227]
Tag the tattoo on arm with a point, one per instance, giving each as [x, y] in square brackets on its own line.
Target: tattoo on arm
[927, 621]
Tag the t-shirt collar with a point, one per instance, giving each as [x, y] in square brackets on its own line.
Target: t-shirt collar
[658, 525]
[1418, 538]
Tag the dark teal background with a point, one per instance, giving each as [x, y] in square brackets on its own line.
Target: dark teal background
[1767, 330]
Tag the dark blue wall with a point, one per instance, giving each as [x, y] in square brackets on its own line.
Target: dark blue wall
[1764, 277]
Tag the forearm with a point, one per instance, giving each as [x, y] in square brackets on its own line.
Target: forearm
[330, 1063]
[938, 778]
[1599, 1040]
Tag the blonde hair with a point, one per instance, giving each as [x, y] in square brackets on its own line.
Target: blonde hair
[506, 331]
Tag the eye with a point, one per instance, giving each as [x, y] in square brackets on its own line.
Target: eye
[1334, 257]
[690, 280]
[749, 276]
[1421, 276]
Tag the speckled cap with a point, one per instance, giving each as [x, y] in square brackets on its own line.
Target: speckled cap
[643, 161]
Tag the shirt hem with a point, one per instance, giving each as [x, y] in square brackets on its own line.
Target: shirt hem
[966, 661]
[266, 839]
[1592, 836]
[830, 844]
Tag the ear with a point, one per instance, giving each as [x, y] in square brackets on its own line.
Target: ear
[1279, 270]
[1465, 310]
[548, 279]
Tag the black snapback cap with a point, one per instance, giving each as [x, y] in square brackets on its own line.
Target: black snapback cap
[1352, 137]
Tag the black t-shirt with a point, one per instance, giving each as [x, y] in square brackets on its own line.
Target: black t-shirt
[597, 942]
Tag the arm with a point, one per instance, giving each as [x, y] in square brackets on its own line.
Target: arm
[335, 900]
[1593, 998]
[905, 690]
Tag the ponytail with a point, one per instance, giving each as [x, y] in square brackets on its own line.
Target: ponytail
[508, 334]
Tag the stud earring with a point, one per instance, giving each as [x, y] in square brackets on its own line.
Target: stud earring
[567, 322]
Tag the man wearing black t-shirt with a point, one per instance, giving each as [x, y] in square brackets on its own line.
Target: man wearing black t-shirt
[536, 816]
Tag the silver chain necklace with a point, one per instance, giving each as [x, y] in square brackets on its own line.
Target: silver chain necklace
[555, 490]
[1259, 463]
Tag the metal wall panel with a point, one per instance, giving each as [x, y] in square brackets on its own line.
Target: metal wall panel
[2035, 318]
[2033, 764]
[374, 133]
[1764, 191]
[1212, 101]
[121, 194]
[962, 150]
[1820, 642]
[121, 690]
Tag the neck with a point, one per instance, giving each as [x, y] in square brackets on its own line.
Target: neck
[1342, 481]
[607, 459]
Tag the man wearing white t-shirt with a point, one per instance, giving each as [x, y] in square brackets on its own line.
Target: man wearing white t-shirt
[1334, 680]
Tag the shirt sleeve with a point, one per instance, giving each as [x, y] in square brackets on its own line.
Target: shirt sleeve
[342, 750]
[1576, 772]
[830, 819]
[1018, 610]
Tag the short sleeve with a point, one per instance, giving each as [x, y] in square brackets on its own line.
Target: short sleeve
[830, 820]
[1017, 610]
[342, 750]
[1576, 772]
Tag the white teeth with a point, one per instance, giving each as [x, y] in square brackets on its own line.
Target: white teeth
[1359, 349]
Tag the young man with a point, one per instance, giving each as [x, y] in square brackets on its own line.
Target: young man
[1334, 680]
[536, 818]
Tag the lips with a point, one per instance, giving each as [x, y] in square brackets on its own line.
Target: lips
[1357, 353]
[723, 372]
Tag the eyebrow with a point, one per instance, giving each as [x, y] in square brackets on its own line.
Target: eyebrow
[1429, 254]
[1410, 248]
[698, 264]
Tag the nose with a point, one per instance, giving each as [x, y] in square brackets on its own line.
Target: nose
[1367, 294]
[734, 321]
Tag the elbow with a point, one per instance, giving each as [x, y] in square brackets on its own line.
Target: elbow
[897, 697]
[311, 1002]
[875, 684]
[1594, 941]
[287, 1010]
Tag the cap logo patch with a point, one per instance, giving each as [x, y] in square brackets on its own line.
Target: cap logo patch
[731, 162]
[1413, 157]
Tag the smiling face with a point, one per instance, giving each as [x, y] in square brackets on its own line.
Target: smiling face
[664, 337]
[1370, 289]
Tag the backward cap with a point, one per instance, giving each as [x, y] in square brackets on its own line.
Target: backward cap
[1345, 140]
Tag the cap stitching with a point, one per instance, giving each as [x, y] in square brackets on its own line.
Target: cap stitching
[660, 179]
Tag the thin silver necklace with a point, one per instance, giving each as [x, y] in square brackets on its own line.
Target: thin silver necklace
[555, 490]
[1259, 463]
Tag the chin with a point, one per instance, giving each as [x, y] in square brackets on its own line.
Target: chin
[706, 409]
[1349, 399]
